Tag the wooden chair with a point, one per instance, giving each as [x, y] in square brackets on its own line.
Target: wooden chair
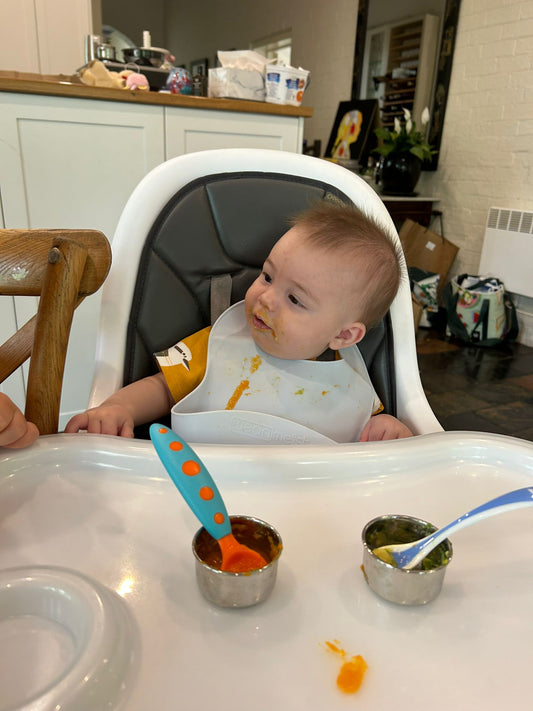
[62, 267]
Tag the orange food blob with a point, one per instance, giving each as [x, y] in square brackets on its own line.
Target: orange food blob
[352, 671]
[234, 399]
[351, 675]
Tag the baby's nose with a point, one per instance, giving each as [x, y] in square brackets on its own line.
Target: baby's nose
[268, 299]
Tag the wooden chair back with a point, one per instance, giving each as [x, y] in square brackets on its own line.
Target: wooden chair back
[61, 267]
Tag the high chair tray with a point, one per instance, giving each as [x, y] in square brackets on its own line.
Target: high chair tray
[84, 515]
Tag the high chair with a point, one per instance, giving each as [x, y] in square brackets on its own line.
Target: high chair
[62, 267]
[206, 219]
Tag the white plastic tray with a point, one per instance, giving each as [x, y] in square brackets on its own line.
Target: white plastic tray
[104, 507]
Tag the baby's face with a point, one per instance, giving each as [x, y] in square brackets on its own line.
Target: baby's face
[299, 304]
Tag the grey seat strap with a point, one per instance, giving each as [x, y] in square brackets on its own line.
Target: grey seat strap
[220, 296]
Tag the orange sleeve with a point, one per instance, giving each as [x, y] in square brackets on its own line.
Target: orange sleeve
[183, 366]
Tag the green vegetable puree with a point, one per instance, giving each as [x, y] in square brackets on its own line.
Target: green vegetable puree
[393, 531]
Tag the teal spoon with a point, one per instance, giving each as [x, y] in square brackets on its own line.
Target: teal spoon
[197, 487]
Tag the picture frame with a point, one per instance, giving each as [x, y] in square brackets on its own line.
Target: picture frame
[352, 135]
[199, 66]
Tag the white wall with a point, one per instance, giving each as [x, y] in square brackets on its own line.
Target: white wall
[323, 36]
[486, 156]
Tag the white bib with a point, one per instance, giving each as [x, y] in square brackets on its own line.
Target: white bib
[250, 397]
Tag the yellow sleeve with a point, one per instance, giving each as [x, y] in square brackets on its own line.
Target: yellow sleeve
[183, 366]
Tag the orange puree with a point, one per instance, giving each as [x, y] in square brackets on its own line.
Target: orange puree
[351, 675]
[244, 384]
[234, 399]
[352, 671]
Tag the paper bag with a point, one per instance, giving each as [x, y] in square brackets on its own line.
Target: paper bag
[427, 250]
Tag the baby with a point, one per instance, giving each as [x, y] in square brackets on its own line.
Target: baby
[15, 431]
[328, 279]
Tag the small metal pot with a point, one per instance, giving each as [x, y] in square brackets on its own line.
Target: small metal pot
[405, 587]
[227, 589]
[144, 56]
[106, 51]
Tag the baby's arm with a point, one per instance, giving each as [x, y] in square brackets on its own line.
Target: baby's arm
[381, 427]
[15, 430]
[143, 401]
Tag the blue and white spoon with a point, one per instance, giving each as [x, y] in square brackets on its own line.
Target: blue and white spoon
[197, 487]
[409, 555]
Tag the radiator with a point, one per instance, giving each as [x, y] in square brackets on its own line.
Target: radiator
[508, 249]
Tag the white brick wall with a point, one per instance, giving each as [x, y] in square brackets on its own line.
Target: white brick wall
[486, 153]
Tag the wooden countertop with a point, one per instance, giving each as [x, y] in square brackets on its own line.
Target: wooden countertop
[70, 86]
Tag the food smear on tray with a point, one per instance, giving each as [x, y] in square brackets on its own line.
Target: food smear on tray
[352, 671]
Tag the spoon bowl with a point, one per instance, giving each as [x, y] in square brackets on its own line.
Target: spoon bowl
[409, 555]
[199, 490]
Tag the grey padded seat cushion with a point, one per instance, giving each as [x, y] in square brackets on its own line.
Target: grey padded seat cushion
[222, 224]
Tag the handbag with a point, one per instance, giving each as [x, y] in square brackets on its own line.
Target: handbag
[480, 311]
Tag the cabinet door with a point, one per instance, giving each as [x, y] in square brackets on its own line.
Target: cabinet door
[73, 163]
[190, 130]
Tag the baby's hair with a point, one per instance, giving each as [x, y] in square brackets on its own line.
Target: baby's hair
[337, 226]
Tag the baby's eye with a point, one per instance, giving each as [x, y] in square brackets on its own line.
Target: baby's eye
[267, 277]
[294, 300]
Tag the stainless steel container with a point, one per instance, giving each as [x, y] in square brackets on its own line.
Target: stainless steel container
[237, 589]
[106, 51]
[405, 587]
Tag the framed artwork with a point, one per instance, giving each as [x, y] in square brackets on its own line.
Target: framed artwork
[352, 136]
[199, 66]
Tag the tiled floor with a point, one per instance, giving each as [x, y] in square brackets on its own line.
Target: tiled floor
[480, 389]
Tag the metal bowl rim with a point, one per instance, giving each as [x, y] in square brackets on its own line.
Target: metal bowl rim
[392, 517]
[226, 573]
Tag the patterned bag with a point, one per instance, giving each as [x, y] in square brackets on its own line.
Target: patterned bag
[480, 311]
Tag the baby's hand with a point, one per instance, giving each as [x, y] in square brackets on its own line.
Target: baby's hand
[382, 427]
[106, 419]
[15, 431]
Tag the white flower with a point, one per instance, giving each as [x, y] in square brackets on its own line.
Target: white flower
[397, 126]
[406, 114]
[408, 126]
[425, 116]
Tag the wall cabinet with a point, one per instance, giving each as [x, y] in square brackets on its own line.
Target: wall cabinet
[70, 162]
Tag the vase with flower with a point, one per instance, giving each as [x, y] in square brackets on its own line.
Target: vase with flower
[402, 151]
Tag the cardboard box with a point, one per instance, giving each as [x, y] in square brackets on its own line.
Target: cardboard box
[427, 250]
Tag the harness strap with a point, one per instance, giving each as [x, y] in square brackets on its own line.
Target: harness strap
[220, 296]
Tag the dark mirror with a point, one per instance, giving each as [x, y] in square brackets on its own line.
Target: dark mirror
[439, 48]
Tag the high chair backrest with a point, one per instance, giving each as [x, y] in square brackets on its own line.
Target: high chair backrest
[61, 267]
[202, 216]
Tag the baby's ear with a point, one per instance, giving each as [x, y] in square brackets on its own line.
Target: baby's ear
[348, 336]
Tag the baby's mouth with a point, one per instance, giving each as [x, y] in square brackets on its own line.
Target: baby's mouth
[261, 325]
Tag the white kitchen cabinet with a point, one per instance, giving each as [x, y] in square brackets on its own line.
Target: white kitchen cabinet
[189, 130]
[45, 36]
[72, 163]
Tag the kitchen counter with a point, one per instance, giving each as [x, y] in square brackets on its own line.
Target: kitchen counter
[71, 86]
